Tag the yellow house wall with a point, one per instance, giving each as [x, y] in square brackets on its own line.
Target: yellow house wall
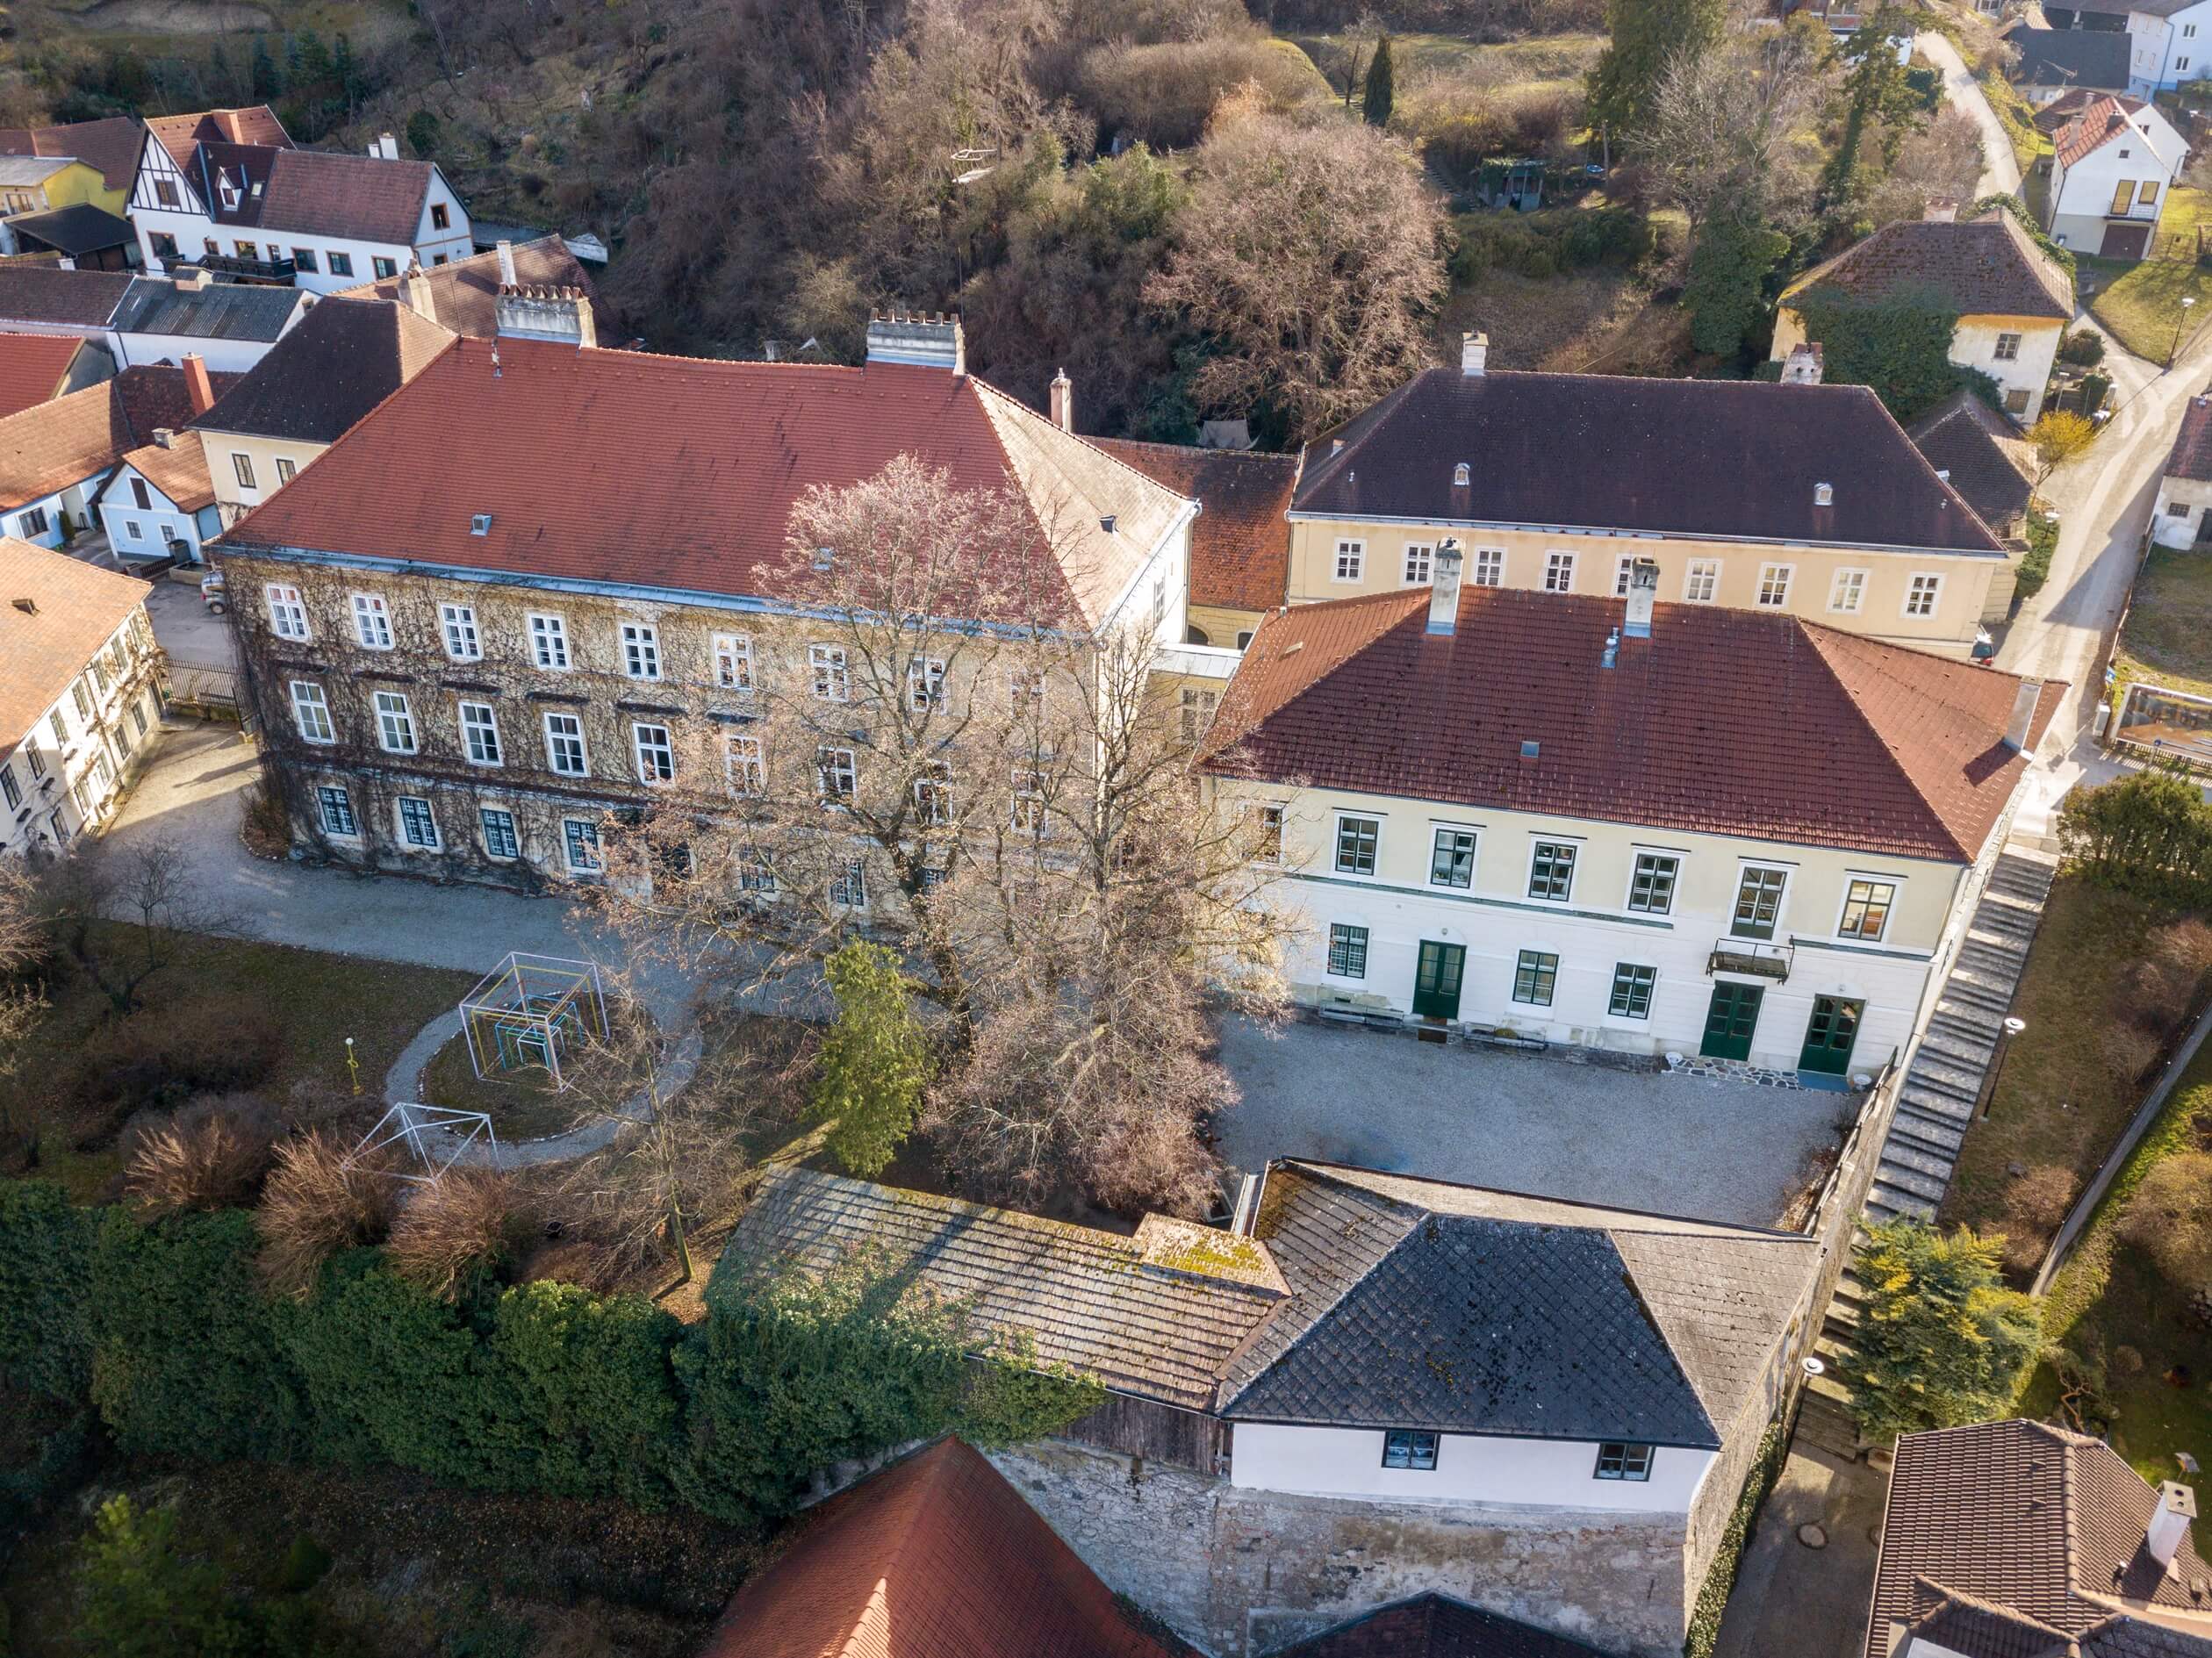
[233, 502]
[1222, 625]
[79, 182]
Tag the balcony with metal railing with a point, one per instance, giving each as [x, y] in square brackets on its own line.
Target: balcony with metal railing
[1756, 958]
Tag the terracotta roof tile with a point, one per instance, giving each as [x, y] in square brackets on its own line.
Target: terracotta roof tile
[179, 134]
[47, 293]
[111, 144]
[1241, 544]
[937, 1556]
[1681, 734]
[76, 607]
[464, 292]
[84, 435]
[2192, 456]
[2101, 119]
[1435, 1626]
[320, 193]
[179, 471]
[33, 367]
[1985, 267]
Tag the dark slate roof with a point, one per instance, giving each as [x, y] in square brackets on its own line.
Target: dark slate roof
[1986, 267]
[78, 228]
[1435, 1626]
[47, 293]
[1420, 1304]
[2092, 58]
[220, 311]
[344, 358]
[246, 166]
[1983, 453]
[1720, 458]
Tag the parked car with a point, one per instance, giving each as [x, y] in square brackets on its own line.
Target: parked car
[212, 593]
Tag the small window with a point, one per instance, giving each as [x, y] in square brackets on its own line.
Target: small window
[1551, 871]
[1420, 564]
[395, 723]
[641, 650]
[754, 876]
[850, 885]
[78, 695]
[242, 465]
[59, 727]
[1351, 560]
[247, 249]
[564, 745]
[304, 261]
[1921, 593]
[2178, 509]
[165, 193]
[336, 807]
[2008, 348]
[479, 734]
[1348, 951]
[1632, 991]
[748, 768]
[1267, 835]
[1624, 572]
[549, 642]
[1758, 901]
[925, 683]
[1619, 1461]
[459, 624]
[580, 845]
[734, 661]
[140, 495]
[11, 790]
[1701, 581]
[2149, 193]
[418, 827]
[1198, 709]
[341, 264]
[373, 621]
[1535, 976]
[655, 753]
[1489, 567]
[933, 794]
[36, 760]
[384, 269]
[439, 217]
[838, 772]
[1866, 908]
[1029, 815]
[1409, 1448]
[311, 710]
[31, 523]
[287, 611]
[1847, 593]
[1452, 860]
[1559, 573]
[164, 244]
[1244, 639]
[1774, 586]
[1651, 889]
[285, 470]
[2016, 400]
[500, 839]
[133, 531]
[832, 682]
[1462, 474]
[1356, 840]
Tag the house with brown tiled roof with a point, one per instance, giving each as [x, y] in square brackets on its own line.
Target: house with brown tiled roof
[1982, 456]
[1662, 829]
[462, 296]
[37, 367]
[159, 501]
[2183, 516]
[2014, 300]
[2112, 167]
[109, 146]
[1241, 546]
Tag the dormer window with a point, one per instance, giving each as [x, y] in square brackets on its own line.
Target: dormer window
[480, 524]
[1824, 495]
[1462, 475]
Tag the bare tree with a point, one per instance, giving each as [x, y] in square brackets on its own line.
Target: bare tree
[1725, 125]
[122, 913]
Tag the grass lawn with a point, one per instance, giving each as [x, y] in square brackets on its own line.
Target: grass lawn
[2184, 210]
[2141, 303]
[2168, 636]
[523, 1103]
[2017, 117]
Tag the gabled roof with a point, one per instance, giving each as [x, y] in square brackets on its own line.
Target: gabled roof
[320, 193]
[464, 292]
[935, 1556]
[80, 437]
[344, 358]
[2003, 1531]
[179, 134]
[32, 170]
[2096, 58]
[2192, 456]
[76, 606]
[79, 228]
[34, 367]
[1717, 458]
[220, 311]
[1435, 1626]
[244, 167]
[2101, 120]
[179, 471]
[2064, 107]
[1985, 267]
[1420, 1304]
[678, 472]
[1983, 453]
[110, 144]
[72, 298]
[1683, 733]
[1241, 544]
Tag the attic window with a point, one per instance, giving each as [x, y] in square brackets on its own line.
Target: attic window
[480, 524]
[1462, 475]
[824, 558]
[1530, 747]
[28, 607]
[1106, 522]
[1824, 495]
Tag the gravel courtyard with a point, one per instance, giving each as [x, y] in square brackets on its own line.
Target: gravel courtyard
[1676, 1146]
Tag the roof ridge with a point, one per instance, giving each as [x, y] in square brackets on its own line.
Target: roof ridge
[1022, 410]
[1659, 1329]
[1760, 1233]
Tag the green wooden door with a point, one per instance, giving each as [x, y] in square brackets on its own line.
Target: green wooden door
[1730, 1021]
[1830, 1035]
[1436, 981]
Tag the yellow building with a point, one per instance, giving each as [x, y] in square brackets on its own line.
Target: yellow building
[36, 184]
[109, 147]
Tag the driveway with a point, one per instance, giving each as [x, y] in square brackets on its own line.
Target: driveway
[1670, 1144]
[1809, 1602]
[203, 654]
[2000, 172]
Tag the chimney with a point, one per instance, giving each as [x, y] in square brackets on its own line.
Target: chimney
[414, 290]
[1802, 367]
[385, 149]
[1444, 589]
[2023, 714]
[1473, 353]
[164, 437]
[507, 278]
[1643, 589]
[198, 388]
[1941, 210]
[928, 341]
[1063, 402]
[2169, 1523]
[191, 278]
[1612, 650]
[562, 315]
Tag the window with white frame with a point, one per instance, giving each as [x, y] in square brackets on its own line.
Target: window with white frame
[373, 621]
[479, 734]
[564, 745]
[1488, 568]
[1348, 951]
[1357, 841]
[335, 806]
[395, 723]
[417, 824]
[641, 650]
[1624, 571]
[734, 661]
[1199, 708]
[849, 886]
[1847, 593]
[459, 624]
[500, 839]
[837, 772]
[1774, 586]
[311, 712]
[1559, 573]
[2008, 345]
[1923, 592]
[925, 683]
[655, 751]
[132, 530]
[1029, 800]
[287, 611]
[832, 683]
[548, 641]
[1701, 581]
[748, 766]
[1420, 564]
[1866, 908]
[580, 845]
[933, 794]
[1651, 883]
[755, 874]
[1351, 560]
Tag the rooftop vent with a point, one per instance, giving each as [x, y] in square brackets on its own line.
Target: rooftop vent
[1530, 747]
[1824, 495]
[530, 311]
[1106, 522]
[480, 524]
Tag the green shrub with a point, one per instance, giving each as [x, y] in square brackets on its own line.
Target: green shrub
[46, 1245]
[302, 1566]
[1897, 344]
[2035, 564]
[2083, 347]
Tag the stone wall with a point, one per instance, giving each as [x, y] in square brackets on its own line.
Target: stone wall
[1238, 1572]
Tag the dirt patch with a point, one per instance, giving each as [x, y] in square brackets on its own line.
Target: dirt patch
[173, 17]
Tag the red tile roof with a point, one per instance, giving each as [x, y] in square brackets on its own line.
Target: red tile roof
[179, 471]
[2192, 456]
[318, 193]
[1985, 267]
[81, 435]
[178, 134]
[465, 293]
[111, 144]
[76, 606]
[33, 367]
[1241, 546]
[934, 1557]
[2100, 119]
[1723, 721]
[678, 472]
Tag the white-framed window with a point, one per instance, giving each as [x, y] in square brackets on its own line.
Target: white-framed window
[1488, 568]
[373, 621]
[395, 723]
[1199, 708]
[832, 682]
[1774, 585]
[287, 611]
[1923, 592]
[1760, 890]
[417, 824]
[311, 711]
[933, 794]
[500, 839]
[1624, 571]
[132, 530]
[734, 661]
[459, 624]
[1351, 560]
[1559, 573]
[580, 845]
[334, 805]
[1029, 800]
[849, 886]
[1420, 564]
[1867, 902]
[1358, 841]
[838, 772]
[565, 749]
[548, 641]
[479, 734]
[1847, 593]
[655, 752]
[747, 764]
[1701, 581]
[925, 683]
[641, 650]
[1348, 951]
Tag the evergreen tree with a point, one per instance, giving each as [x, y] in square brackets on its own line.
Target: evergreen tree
[1941, 1341]
[347, 74]
[1727, 270]
[141, 1599]
[267, 82]
[1380, 91]
[875, 1062]
[1877, 90]
[422, 133]
[1647, 35]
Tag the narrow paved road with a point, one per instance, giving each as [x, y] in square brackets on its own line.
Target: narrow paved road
[2000, 174]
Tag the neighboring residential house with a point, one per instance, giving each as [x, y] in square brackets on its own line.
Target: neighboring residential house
[79, 705]
[1676, 828]
[53, 299]
[345, 357]
[159, 502]
[2167, 38]
[2017, 1539]
[109, 146]
[2111, 167]
[37, 367]
[935, 1556]
[2054, 63]
[463, 296]
[323, 221]
[85, 237]
[1373, 1386]
[2183, 517]
[231, 325]
[1982, 456]
[2014, 300]
[36, 183]
[533, 506]
[1799, 498]
[55, 457]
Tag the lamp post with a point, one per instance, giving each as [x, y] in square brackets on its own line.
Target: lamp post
[2179, 323]
[352, 1065]
[2012, 1028]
